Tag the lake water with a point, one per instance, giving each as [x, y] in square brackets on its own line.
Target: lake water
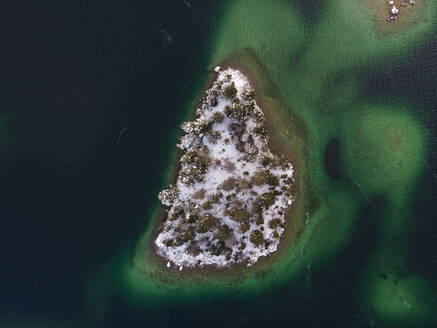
[91, 101]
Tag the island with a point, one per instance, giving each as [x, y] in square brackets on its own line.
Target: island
[399, 12]
[231, 195]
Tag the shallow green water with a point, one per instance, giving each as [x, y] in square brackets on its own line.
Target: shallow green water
[384, 144]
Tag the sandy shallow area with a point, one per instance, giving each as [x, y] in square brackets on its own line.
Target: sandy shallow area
[407, 14]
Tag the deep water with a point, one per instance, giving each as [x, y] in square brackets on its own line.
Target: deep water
[90, 102]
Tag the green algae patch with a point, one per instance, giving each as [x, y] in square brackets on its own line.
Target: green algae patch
[384, 148]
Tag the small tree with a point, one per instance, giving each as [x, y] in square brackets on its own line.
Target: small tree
[256, 237]
[218, 117]
[230, 91]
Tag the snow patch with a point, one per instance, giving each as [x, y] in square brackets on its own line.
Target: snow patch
[231, 195]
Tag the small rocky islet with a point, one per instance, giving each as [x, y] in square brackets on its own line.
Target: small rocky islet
[231, 195]
[397, 8]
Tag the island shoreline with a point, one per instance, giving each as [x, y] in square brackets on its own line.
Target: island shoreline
[247, 63]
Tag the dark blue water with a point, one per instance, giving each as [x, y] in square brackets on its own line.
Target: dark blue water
[91, 92]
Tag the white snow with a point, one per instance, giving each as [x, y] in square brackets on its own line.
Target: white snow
[200, 191]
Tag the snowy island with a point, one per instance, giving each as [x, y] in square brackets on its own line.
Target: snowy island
[229, 202]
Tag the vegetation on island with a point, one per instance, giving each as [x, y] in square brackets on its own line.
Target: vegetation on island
[229, 202]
